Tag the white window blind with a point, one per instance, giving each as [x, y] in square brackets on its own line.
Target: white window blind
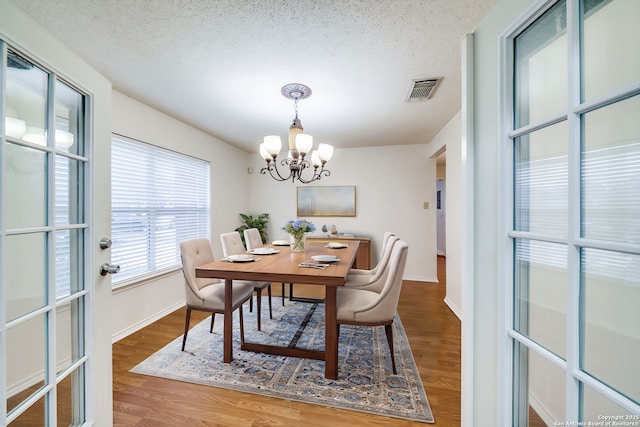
[63, 242]
[610, 202]
[158, 199]
[611, 183]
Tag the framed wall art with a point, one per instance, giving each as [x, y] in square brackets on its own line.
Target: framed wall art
[326, 201]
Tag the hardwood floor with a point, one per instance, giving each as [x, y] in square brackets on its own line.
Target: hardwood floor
[139, 400]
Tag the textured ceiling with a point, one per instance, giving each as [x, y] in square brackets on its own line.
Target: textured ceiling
[219, 64]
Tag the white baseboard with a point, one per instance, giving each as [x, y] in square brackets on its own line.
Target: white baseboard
[421, 279]
[145, 322]
[453, 308]
[541, 410]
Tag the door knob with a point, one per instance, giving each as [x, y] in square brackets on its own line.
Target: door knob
[105, 243]
[109, 269]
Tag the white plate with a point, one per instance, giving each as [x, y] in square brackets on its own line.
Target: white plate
[336, 245]
[264, 251]
[241, 258]
[325, 258]
[280, 243]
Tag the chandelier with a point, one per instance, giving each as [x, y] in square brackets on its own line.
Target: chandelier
[300, 145]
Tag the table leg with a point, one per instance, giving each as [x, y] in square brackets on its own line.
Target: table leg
[331, 334]
[227, 348]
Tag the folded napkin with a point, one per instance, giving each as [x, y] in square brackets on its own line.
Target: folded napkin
[313, 265]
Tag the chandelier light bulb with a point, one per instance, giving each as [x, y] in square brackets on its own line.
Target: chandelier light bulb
[64, 139]
[264, 153]
[273, 144]
[304, 143]
[315, 159]
[325, 151]
[14, 128]
[35, 135]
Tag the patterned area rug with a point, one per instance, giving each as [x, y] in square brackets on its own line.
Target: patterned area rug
[365, 379]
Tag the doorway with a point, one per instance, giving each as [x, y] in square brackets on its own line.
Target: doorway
[441, 217]
[441, 197]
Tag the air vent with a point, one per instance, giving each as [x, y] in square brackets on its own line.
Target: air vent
[423, 89]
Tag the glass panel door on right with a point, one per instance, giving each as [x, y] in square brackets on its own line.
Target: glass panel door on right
[575, 144]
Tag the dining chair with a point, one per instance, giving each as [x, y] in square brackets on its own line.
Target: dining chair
[373, 278]
[367, 307]
[207, 294]
[385, 239]
[232, 245]
[254, 240]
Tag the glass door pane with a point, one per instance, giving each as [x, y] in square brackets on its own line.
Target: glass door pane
[540, 89]
[26, 100]
[540, 387]
[596, 408]
[26, 360]
[611, 173]
[541, 181]
[611, 54]
[24, 198]
[69, 119]
[611, 319]
[25, 288]
[70, 334]
[541, 293]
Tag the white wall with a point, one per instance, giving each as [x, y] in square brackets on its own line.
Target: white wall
[450, 136]
[392, 182]
[455, 216]
[138, 305]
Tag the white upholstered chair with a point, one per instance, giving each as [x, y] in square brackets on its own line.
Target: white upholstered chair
[373, 278]
[207, 294]
[232, 245]
[385, 239]
[253, 240]
[368, 307]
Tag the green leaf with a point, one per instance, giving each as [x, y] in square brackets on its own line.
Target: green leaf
[260, 222]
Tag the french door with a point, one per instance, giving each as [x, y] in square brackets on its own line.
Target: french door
[47, 286]
[572, 149]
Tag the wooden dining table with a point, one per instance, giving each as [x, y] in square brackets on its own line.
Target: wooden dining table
[283, 266]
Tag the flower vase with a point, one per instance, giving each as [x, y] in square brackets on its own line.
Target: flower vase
[297, 242]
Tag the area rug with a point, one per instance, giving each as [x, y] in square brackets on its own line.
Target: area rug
[365, 381]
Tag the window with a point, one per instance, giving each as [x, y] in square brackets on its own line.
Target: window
[574, 155]
[158, 199]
